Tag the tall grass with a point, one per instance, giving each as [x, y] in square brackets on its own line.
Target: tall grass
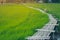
[18, 21]
[53, 8]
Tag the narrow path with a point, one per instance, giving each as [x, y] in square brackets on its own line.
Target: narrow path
[44, 33]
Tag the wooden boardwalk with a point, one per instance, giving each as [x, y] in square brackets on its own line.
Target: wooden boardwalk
[43, 34]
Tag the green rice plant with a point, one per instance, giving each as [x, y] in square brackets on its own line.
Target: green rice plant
[18, 22]
[53, 8]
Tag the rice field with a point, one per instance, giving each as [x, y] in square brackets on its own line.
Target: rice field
[53, 8]
[18, 22]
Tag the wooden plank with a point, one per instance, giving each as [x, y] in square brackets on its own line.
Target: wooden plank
[52, 24]
[38, 37]
[45, 30]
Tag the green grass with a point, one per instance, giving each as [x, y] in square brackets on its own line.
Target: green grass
[18, 22]
[53, 8]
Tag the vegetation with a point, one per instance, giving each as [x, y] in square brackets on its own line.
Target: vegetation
[53, 8]
[18, 21]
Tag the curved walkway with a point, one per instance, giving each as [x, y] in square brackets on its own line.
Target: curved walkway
[44, 33]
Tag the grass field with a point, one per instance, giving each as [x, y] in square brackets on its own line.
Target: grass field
[53, 8]
[18, 21]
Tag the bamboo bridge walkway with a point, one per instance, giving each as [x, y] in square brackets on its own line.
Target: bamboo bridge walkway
[44, 33]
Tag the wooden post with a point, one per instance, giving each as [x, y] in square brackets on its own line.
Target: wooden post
[2, 1]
